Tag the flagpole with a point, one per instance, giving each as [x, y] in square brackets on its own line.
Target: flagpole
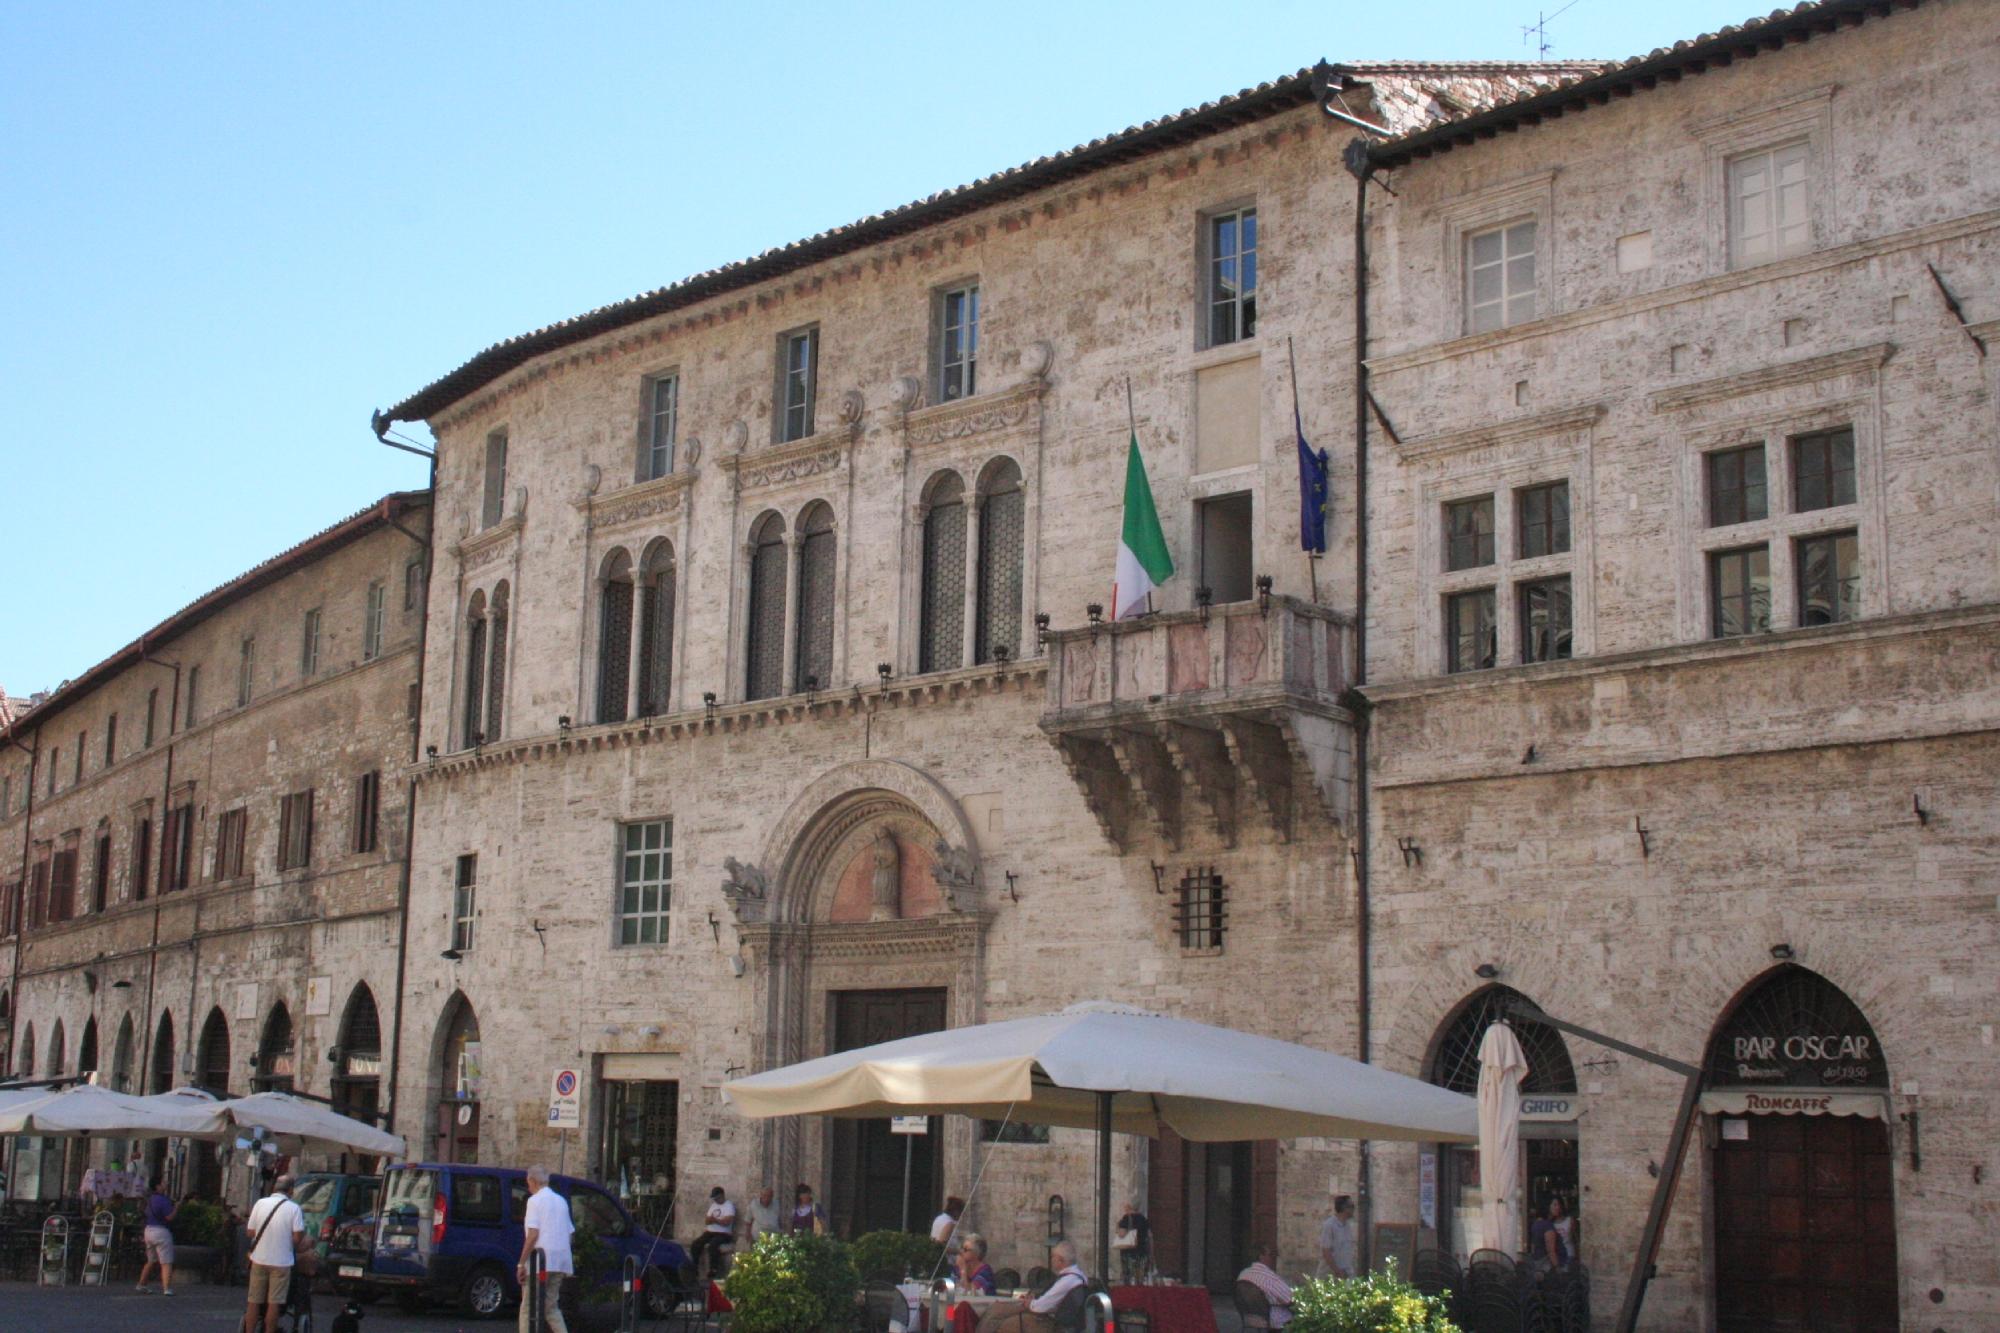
[1132, 426]
[1299, 429]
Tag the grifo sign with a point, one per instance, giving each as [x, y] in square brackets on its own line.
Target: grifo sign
[566, 1100]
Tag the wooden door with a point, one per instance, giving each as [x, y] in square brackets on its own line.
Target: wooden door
[1805, 1232]
[869, 1162]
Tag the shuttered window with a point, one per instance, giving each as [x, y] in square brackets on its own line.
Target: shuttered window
[816, 591]
[942, 638]
[1001, 526]
[230, 830]
[367, 810]
[295, 825]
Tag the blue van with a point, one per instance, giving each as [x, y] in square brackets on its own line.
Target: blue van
[452, 1233]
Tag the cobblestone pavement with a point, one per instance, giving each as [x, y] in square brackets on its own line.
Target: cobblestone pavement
[199, 1309]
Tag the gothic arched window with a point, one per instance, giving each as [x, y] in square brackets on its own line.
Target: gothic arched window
[614, 637]
[474, 718]
[656, 630]
[1002, 520]
[816, 595]
[941, 632]
[496, 661]
[764, 676]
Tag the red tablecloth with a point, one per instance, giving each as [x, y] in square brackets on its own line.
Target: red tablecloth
[1172, 1309]
[964, 1319]
[717, 1302]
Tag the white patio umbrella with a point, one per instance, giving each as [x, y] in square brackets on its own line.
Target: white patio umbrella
[306, 1126]
[1502, 1066]
[1111, 1067]
[87, 1110]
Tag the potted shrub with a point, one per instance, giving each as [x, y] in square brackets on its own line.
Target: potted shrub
[899, 1252]
[1377, 1302]
[792, 1283]
[201, 1239]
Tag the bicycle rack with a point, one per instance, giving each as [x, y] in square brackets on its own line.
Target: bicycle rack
[631, 1295]
[1102, 1300]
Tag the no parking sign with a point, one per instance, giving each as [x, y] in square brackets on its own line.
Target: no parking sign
[566, 1100]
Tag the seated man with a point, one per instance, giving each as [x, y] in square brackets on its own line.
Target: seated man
[1263, 1275]
[1057, 1310]
[718, 1235]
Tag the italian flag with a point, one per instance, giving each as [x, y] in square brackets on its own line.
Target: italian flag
[1143, 562]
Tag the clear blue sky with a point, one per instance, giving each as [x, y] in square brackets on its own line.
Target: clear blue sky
[229, 233]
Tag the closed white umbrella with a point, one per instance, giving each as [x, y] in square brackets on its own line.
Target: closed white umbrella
[307, 1126]
[1502, 1066]
[87, 1110]
[1148, 1071]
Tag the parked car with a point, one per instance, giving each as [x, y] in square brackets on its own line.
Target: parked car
[452, 1233]
[329, 1200]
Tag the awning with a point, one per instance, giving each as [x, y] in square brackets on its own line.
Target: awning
[1795, 1101]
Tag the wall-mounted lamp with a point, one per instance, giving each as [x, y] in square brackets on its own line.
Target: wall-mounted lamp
[1486, 971]
[1917, 809]
[1096, 613]
[1263, 593]
[1204, 597]
[451, 955]
[562, 723]
[1645, 837]
[812, 690]
[252, 1061]
[431, 753]
[1002, 654]
[708, 703]
[1041, 628]
[882, 673]
[1159, 878]
[333, 1054]
[1013, 896]
[1782, 953]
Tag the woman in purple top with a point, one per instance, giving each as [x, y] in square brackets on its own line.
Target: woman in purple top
[160, 1211]
[975, 1275]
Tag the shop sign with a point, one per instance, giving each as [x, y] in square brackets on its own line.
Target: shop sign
[1560, 1107]
[909, 1124]
[1793, 1101]
[1798, 1031]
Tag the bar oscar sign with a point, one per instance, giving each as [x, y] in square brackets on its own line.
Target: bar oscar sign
[1801, 1032]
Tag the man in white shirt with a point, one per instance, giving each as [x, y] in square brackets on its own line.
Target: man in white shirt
[1336, 1240]
[1263, 1275]
[1040, 1314]
[718, 1234]
[277, 1231]
[546, 1226]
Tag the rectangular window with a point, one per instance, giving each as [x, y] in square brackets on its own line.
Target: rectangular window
[663, 409]
[1470, 641]
[246, 671]
[958, 343]
[82, 744]
[1739, 585]
[1232, 277]
[1829, 578]
[1500, 277]
[55, 758]
[1542, 519]
[100, 888]
[309, 645]
[1736, 489]
[193, 695]
[142, 857]
[62, 888]
[494, 503]
[230, 831]
[371, 622]
[1770, 206]
[1224, 532]
[110, 744]
[152, 714]
[475, 1198]
[645, 882]
[1201, 912]
[1468, 533]
[464, 901]
[367, 809]
[1545, 620]
[798, 376]
[177, 849]
[295, 830]
[1822, 470]
[413, 585]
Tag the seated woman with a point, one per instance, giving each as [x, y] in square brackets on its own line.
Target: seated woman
[975, 1275]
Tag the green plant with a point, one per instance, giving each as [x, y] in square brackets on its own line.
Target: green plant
[792, 1283]
[599, 1268]
[897, 1251]
[1378, 1302]
[199, 1223]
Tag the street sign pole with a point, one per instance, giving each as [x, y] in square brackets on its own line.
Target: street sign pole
[909, 1153]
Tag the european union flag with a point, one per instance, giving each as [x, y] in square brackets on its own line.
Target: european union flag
[1313, 496]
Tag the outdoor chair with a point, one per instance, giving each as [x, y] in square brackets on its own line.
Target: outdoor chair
[1435, 1272]
[1134, 1321]
[1491, 1310]
[882, 1303]
[1040, 1279]
[1007, 1279]
[1253, 1307]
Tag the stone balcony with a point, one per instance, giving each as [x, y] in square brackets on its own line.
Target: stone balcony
[1192, 725]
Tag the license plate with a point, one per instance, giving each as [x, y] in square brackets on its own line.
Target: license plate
[402, 1242]
[350, 1270]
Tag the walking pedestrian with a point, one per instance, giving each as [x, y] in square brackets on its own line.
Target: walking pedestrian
[1336, 1239]
[546, 1227]
[160, 1210]
[277, 1231]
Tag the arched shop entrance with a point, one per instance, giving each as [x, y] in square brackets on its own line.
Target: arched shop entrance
[459, 1082]
[1449, 1199]
[1803, 1217]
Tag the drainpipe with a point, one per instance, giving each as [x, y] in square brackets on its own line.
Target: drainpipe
[21, 902]
[1364, 1037]
[160, 852]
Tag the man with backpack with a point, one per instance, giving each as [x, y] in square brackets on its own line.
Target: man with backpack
[277, 1231]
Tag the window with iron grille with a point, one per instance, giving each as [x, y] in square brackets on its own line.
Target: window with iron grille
[614, 647]
[177, 849]
[367, 810]
[816, 589]
[1823, 469]
[765, 650]
[1232, 276]
[246, 671]
[372, 620]
[464, 901]
[1001, 525]
[1545, 620]
[497, 620]
[100, 888]
[656, 636]
[295, 830]
[1468, 533]
[1542, 515]
[493, 504]
[958, 343]
[941, 638]
[663, 401]
[473, 722]
[1736, 488]
[798, 373]
[231, 829]
[1454, 1062]
[1470, 642]
[1201, 912]
[645, 881]
[1829, 578]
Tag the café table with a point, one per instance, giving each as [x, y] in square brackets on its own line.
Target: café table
[1170, 1309]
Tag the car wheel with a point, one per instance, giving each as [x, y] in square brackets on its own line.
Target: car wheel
[660, 1294]
[486, 1291]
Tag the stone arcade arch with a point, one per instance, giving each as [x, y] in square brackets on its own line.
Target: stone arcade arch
[277, 1054]
[864, 921]
[1802, 1227]
[455, 1066]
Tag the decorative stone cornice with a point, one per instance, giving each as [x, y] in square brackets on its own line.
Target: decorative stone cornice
[801, 460]
[484, 548]
[945, 935]
[984, 414]
[662, 497]
[1498, 434]
[1864, 360]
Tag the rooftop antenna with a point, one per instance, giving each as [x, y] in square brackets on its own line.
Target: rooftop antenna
[1539, 33]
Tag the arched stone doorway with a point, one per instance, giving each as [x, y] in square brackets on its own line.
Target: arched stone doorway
[211, 1071]
[357, 1079]
[864, 922]
[1803, 1224]
[277, 1058]
[456, 1068]
[121, 1057]
[1549, 1167]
